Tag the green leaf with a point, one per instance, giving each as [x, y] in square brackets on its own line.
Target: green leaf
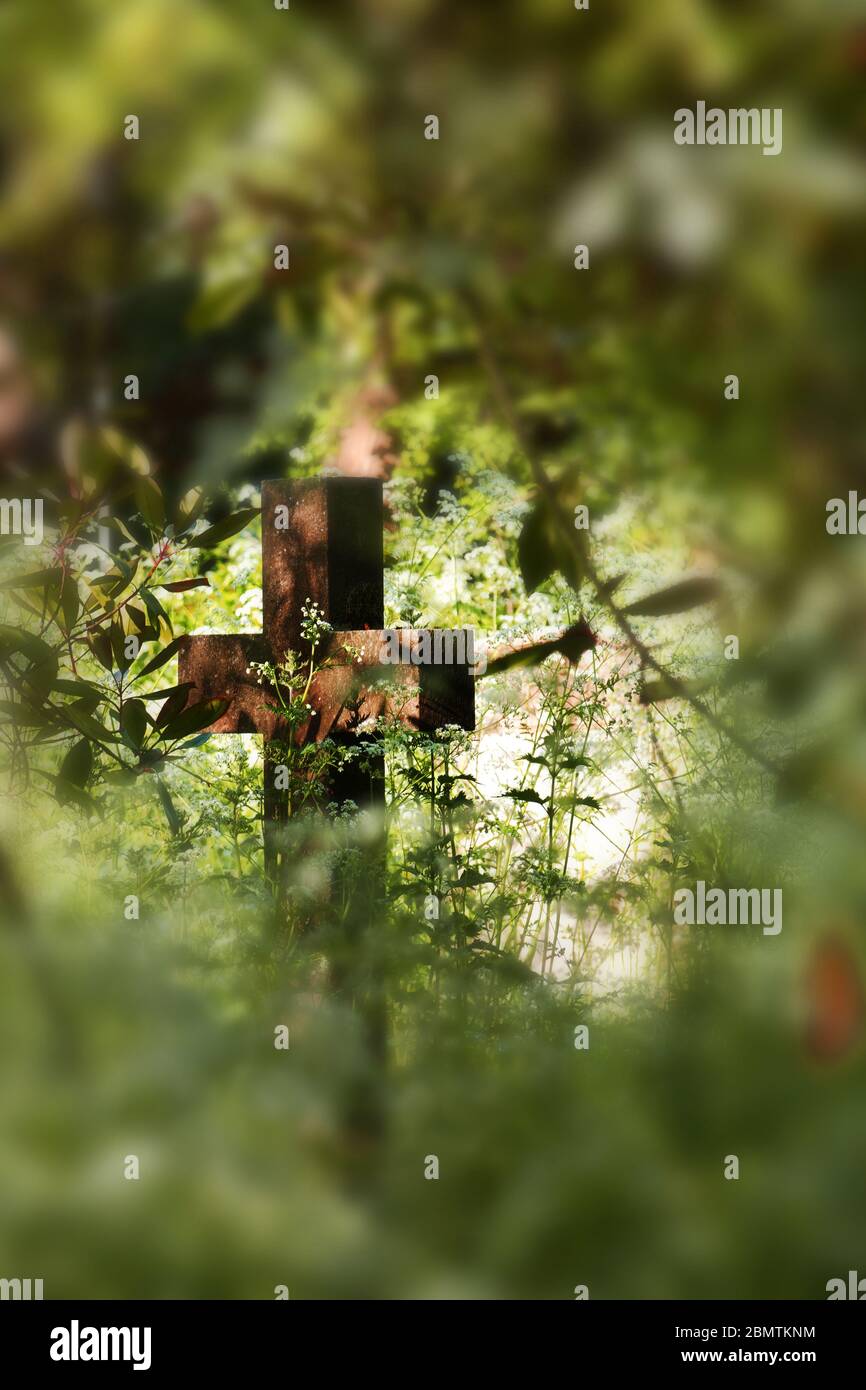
[83, 721]
[67, 792]
[151, 757]
[542, 549]
[78, 764]
[471, 878]
[118, 524]
[678, 598]
[26, 716]
[99, 453]
[122, 662]
[99, 642]
[175, 702]
[70, 601]
[15, 639]
[196, 742]
[154, 607]
[461, 799]
[222, 300]
[122, 777]
[133, 723]
[38, 579]
[82, 689]
[609, 586]
[653, 692]
[229, 526]
[189, 507]
[571, 644]
[42, 671]
[149, 501]
[535, 554]
[572, 761]
[161, 658]
[164, 692]
[175, 824]
[127, 569]
[137, 616]
[194, 718]
[525, 794]
[109, 586]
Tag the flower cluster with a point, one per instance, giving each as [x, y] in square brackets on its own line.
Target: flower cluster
[261, 670]
[314, 625]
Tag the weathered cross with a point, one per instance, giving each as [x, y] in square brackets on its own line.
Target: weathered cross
[322, 541]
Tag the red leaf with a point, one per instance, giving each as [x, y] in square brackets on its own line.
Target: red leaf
[180, 586]
[836, 1000]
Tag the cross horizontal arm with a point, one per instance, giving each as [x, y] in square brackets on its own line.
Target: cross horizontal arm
[354, 687]
[358, 685]
[218, 669]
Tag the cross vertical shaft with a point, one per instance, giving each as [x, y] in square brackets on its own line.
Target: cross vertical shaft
[321, 540]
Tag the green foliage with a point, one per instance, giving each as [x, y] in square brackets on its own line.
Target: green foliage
[528, 869]
[75, 669]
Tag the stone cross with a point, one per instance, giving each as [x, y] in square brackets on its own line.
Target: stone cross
[322, 541]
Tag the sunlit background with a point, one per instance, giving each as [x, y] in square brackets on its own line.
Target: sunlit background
[452, 258]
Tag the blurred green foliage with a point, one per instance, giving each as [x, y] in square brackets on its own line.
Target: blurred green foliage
[553, 839]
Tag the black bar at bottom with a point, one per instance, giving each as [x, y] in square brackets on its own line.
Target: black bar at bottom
[254, 1338]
